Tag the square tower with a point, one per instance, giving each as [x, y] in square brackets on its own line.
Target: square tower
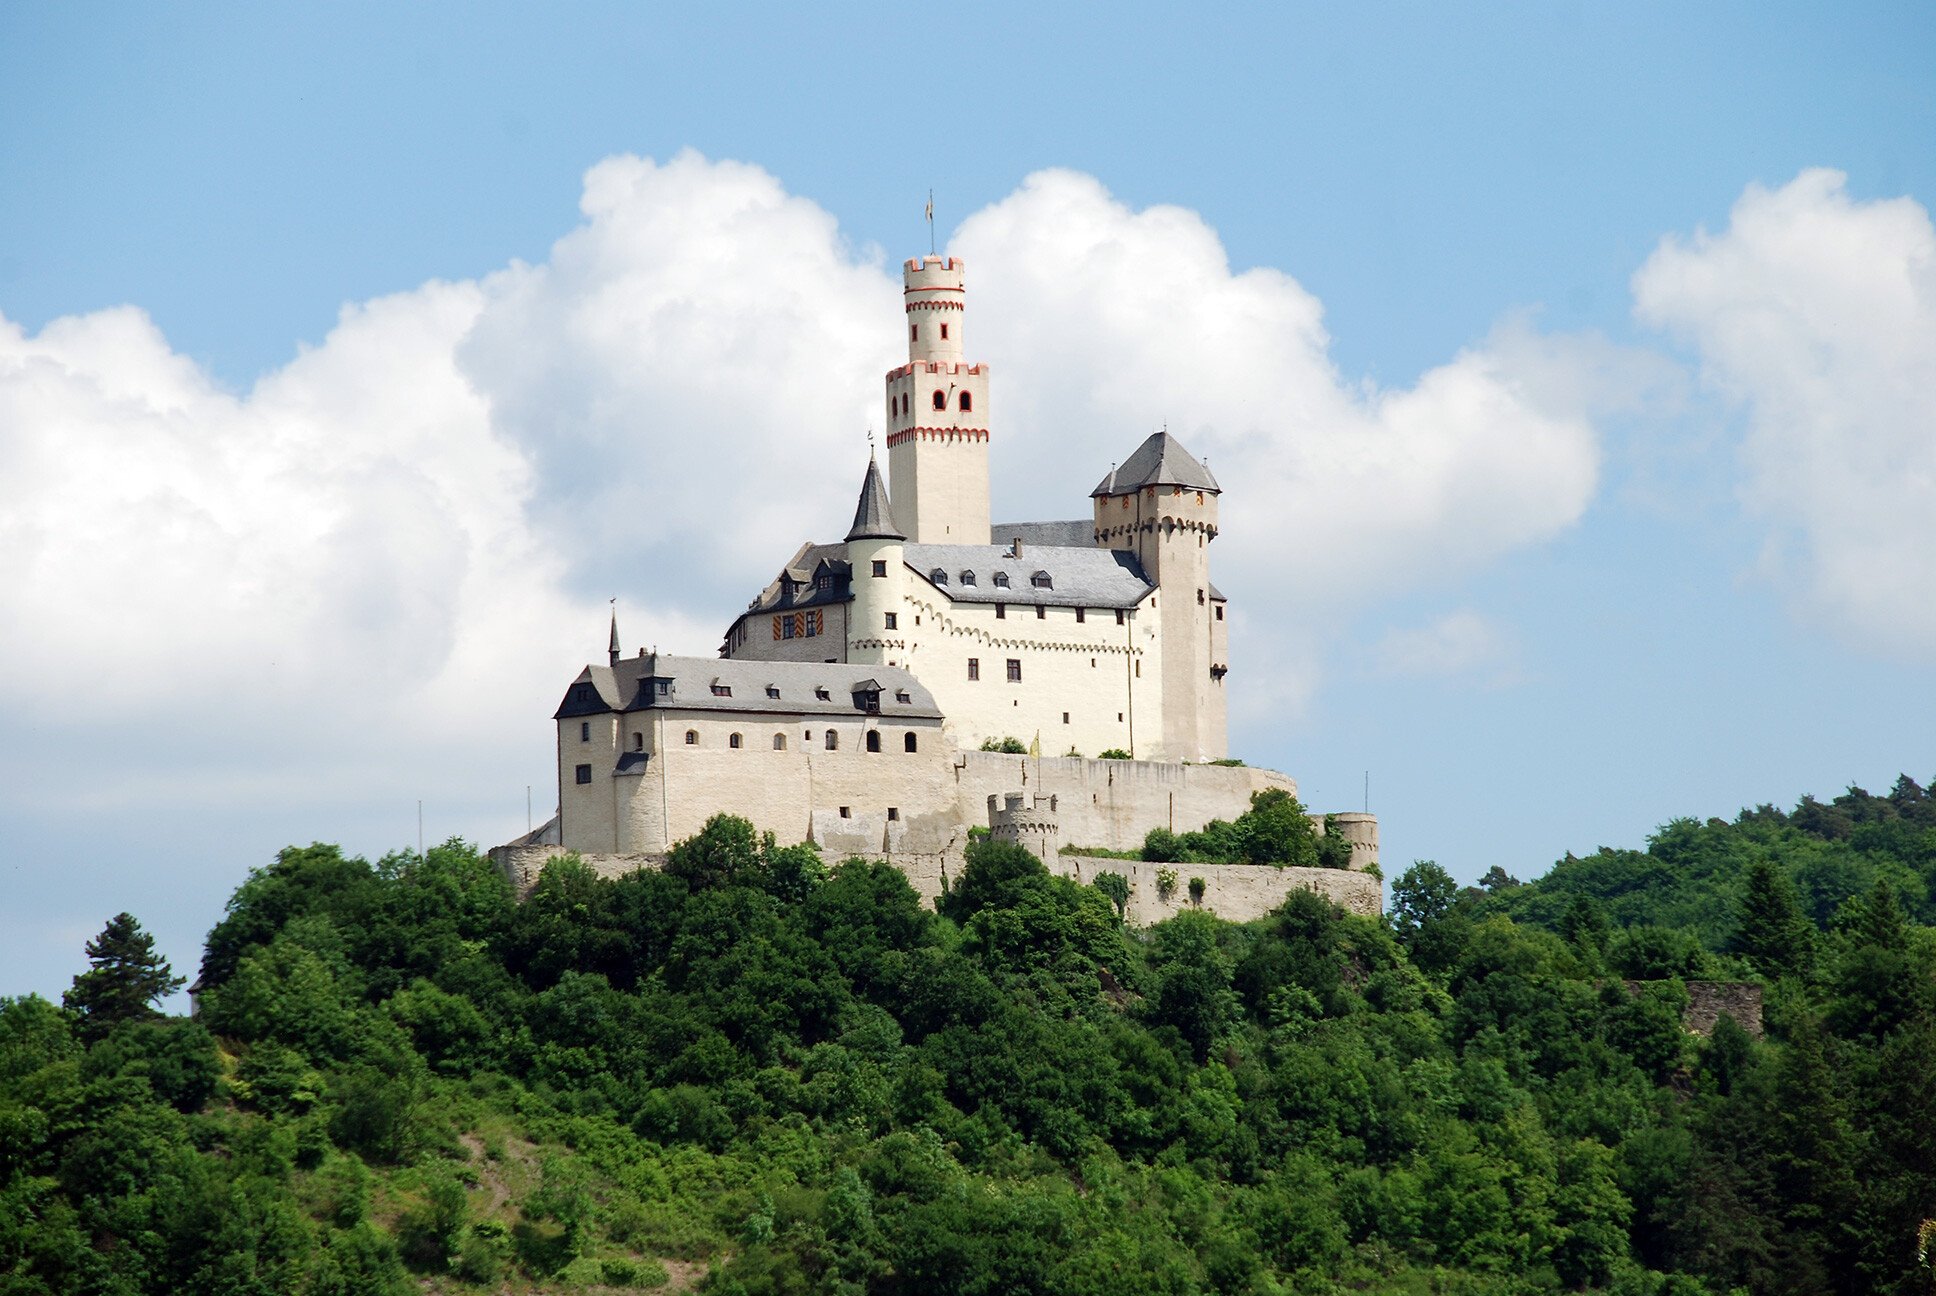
[937, 414]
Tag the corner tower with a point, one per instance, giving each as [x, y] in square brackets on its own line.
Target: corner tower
[1161, 506]
[937, 414]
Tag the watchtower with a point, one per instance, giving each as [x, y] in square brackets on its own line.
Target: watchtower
[937, 414]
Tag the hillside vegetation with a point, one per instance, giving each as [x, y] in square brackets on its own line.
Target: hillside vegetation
[753, 1073]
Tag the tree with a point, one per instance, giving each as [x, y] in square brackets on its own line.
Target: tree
[1771, 933]
[125, 979]
[1116, 887]
[1423, 894]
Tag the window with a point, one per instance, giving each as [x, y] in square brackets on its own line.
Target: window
[846, 813]
[1014, 670]
[823, 695]
[779, 742]
[665, 687]
[1139, 669]
[967, 403]
[893, 814]
[938, 576]
[880, 566]
[1119, 616]
[1001, 611]
[638, 742]
[773, 690]
[873, 740]
[1041, 611]
[904, 402]
[914, 332]
[1042, 580]
[722, 690]
[1219, 611]
[974, 668]
[732, 740]
[692, 737]
[583, 773]
[824, 581]
[908, 743]
[940, 399]
[967, 578]
[1065, 717]
[1001, 580]
[893, 621]
[902, 696]
[833, 741]
[584, 731]
[944, 332]
[1199, 598]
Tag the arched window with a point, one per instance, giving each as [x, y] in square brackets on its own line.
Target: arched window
[733, 741]
[692, 737]
[967, 402]
[779, 742]
[907, 741]
[873, 740]
[833, 740]
[940, 399]
[904, 402]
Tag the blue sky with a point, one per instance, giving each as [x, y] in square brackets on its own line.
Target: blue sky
[1686, 608]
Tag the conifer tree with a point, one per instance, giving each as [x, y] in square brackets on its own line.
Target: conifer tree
[1773, 935]
[125, 978]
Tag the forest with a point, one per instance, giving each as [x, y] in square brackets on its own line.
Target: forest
[757, 1071]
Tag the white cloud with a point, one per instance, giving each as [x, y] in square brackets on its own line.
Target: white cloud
[384, 561]
[1459, 643]
[1817, 313]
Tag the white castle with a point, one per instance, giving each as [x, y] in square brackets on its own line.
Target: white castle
[849, 703]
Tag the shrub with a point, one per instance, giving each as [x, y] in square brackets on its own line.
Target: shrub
[1114, 753]
[1011, 746]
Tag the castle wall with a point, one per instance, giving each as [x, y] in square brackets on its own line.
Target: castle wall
[1234, 892]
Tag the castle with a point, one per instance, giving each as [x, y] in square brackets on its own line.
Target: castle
[849, 703]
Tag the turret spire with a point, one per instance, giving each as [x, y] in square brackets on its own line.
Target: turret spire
[614, 645]
[873, 519]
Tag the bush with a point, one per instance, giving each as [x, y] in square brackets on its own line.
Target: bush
[1114, 753]
[1012, 746]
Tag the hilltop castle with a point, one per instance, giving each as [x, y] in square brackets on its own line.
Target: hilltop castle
[849, 702]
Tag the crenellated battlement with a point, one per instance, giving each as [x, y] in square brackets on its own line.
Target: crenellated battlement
[934, 272]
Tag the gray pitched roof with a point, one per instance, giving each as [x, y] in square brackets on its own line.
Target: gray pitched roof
[1160, 461]
[632, 685]
[873, 519]
[1078, 576]
[1074, 535]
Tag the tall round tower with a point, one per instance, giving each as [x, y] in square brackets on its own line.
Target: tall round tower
[937, 414]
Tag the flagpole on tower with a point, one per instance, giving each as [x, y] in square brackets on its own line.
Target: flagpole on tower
[930, 222]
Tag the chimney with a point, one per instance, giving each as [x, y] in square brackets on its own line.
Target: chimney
[1018, 546]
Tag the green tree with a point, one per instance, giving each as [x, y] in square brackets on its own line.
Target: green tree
[1770, 931]
[1116, 887]
[124, 980]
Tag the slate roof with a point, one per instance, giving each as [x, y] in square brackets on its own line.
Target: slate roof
[1160, 461]
[632, 685]
[873, 519]
[1073, 535]
[794, 587]
[1080, 576]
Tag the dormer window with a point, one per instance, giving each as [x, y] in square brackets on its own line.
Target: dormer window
[938, 576]
[1001, 580]
[823, 695]
[1041, 580]
[722, 690]
[967, 578]
[901, 696]
[664, 687]
[773, 690]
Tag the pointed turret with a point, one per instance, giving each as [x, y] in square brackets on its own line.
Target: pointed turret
[613, 650]
[873, 519]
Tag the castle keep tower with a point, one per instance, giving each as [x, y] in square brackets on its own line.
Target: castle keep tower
[937, 414]
[1161, 505]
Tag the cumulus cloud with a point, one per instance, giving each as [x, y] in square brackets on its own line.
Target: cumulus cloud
[1816, 313]
[388, 556]
[1105, 323]
[1464, 642]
